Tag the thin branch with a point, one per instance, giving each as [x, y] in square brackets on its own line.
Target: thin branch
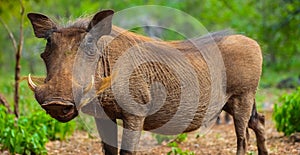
[11, 36]
[18, 58]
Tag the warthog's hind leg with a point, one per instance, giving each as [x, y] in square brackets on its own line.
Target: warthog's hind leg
[240, 106]
[257, 124]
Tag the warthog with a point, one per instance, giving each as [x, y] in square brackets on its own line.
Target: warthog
[98, 40]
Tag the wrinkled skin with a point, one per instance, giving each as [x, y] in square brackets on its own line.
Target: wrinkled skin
[242, 59]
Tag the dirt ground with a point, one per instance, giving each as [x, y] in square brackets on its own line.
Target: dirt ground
[219, 140]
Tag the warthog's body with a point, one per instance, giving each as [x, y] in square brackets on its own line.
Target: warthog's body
[242, 59]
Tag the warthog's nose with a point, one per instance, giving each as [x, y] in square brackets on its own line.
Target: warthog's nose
[61, 110]
[57, 108]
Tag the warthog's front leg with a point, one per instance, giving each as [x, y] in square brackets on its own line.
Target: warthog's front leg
[133, 125]
[108, 132]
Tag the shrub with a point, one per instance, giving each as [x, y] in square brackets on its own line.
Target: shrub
[286, 114]
[29, 134]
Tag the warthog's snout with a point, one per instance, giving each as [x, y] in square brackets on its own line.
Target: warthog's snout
[57, 105]
[63, 111]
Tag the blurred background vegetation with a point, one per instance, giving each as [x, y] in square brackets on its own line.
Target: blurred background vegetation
[274, 24]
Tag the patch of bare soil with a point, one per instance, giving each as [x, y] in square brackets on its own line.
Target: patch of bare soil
[219, 140]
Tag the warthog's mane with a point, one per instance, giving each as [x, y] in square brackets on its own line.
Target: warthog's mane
[81, 23]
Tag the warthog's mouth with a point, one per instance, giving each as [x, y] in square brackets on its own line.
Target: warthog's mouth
[62, 111]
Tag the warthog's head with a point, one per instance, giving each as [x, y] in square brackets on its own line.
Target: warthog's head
[55, 95]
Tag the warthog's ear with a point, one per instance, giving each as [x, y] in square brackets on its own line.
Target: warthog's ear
[41, 24]
[101, 24]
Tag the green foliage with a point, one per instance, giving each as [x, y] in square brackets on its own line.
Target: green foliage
[22, 136]
[286, 115]
[55, 130]
[181, 137]
[251, 153]
[29, 134]
[175, 150]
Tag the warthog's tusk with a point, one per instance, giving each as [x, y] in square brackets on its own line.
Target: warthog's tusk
[31, 84]
[90, 86]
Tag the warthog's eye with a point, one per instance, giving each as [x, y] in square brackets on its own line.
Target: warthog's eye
[48, 36]
[48, 40]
